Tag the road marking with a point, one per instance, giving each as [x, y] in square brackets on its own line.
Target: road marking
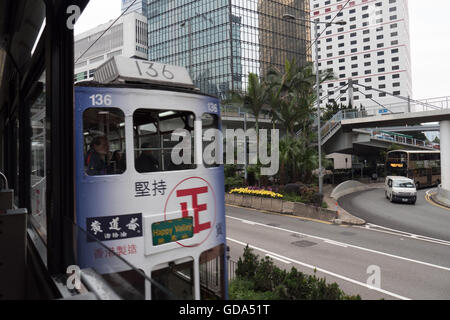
[336, 243]
[429, 200]
[280, 214]
[321, 270]
[248, 222]
[276, 258]
[351, 246]
[403, 233]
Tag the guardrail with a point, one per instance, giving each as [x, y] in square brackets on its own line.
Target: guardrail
[395, 138]
[335, 121]
[393, 108]
[238, 112]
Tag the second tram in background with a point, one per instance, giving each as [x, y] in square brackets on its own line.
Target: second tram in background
[165, 218]
[424, 167]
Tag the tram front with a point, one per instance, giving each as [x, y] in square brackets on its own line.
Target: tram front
[145, 195]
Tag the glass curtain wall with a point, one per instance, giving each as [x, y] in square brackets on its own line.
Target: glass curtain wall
[221, 41]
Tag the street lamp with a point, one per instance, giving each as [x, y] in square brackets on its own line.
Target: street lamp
[290, 17]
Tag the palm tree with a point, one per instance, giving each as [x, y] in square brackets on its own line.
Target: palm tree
[254, 99]
[291, 94]
[291, 97]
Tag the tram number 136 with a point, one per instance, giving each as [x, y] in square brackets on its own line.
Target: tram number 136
[151, 70]
[101, 99]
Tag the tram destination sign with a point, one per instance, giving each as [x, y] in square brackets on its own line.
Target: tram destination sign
[120, 69]
[172, 230]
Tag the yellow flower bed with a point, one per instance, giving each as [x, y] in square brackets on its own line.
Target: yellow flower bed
[258, 193]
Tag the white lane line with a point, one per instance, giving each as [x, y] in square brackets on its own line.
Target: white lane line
[321, 270]
[248, 222]
[336, 243]
[352, 246]
[276, 258]
[387, 230]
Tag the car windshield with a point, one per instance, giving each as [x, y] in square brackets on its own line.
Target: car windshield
[403, 184]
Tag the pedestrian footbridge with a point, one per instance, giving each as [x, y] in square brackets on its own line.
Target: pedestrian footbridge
[361, 132]
[355, 131]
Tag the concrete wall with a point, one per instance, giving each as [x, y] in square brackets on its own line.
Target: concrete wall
[348, 187]
[280, 206]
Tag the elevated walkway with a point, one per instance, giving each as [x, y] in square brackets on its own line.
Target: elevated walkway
[347, 129]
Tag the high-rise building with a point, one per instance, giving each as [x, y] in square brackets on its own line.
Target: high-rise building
[127, 37]
[221, 41]
[372, 49]
[139, 6]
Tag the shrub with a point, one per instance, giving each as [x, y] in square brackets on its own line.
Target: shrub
[233, 182]
[261, 279]
[244, 290]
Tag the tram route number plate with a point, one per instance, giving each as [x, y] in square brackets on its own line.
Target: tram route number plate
[172, 230]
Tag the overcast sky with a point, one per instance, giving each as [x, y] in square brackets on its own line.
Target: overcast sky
[429, 32]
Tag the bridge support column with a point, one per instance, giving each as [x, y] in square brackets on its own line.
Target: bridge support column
[445, 154]
[443, 195]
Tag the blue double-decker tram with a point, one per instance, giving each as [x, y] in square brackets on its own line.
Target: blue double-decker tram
[143, 189]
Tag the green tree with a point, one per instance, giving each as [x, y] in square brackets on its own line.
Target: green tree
[254, 99]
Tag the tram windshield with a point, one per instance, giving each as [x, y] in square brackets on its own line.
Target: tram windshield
[163, 140]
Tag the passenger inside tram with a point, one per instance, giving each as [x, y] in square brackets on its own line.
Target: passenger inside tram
[96, 157]
[146, 162]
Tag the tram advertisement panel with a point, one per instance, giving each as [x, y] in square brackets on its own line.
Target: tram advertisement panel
[131, 200]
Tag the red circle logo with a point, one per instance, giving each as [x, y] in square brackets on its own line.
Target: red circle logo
[185, 199]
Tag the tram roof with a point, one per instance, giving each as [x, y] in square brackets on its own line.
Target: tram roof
[119, 69]
[122, 72]
[137, 85]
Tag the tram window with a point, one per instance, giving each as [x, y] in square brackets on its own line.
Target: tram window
[104, 141]
[37, 161]
[212, 273]
[177, 279]
[153, 145]
[210, 144]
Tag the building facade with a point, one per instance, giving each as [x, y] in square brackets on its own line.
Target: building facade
[127, 37]
[139, 6]
[221, 41]
[372, 49]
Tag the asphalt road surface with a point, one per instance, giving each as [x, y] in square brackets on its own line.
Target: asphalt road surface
[408, 268]
[423, 218]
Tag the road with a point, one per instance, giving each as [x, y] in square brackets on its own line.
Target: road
[422, 218]
[410, 268]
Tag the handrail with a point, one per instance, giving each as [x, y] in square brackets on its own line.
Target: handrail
[4, 179]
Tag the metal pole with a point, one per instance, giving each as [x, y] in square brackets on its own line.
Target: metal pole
[190, 46]
[350, 92]
[409, 104]
[319, 139]
[245, 147]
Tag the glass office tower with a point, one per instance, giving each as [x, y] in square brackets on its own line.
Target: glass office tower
[221, 41]
[139, 6]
